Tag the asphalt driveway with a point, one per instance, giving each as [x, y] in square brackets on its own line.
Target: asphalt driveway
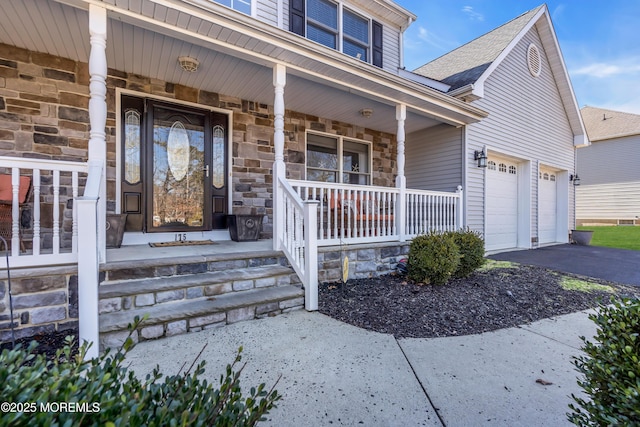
[615, 265]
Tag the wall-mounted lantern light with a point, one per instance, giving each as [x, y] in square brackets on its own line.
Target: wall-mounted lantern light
[481, 157]
[575, 179]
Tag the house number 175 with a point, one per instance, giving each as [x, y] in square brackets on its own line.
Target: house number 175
[181, 237]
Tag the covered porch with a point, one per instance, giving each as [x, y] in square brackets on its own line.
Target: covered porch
[257, 64]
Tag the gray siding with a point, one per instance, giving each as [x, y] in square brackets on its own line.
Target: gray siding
[608, 201]
[610, 161]
[433, 159]
[527, 121]
[609, 180]
[390, 48]
[267, 11]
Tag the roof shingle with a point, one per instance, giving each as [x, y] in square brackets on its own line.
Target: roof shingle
[607, 124]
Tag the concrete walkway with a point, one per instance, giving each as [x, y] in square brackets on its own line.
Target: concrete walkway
[615, 265]
[337, 374]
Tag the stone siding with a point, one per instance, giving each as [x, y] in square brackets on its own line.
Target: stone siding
[42, 303]
[370, 260]
[44, 103]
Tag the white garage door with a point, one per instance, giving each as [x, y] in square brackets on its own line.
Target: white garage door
[502, 205]
[548, 202]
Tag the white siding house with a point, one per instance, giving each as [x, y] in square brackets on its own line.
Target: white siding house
[516, 73]
[609, 169]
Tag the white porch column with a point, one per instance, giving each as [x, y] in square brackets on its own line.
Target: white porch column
[401, 180]
[98, 112]
[279, 168]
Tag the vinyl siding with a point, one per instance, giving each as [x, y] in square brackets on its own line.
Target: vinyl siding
[609, 180]
[526, 122]
[267, 11]
[433, 159]
[390, 49]
[610, 161]
[608, 201]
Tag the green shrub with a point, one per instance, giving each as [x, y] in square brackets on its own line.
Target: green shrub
[471, 247]
[611, 368]
[106, 393]
[433, 258]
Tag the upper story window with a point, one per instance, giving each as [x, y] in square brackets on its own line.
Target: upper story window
[335, 26]
[243, 6]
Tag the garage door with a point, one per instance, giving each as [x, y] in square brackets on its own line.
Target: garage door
[548, 205]
[501, 205]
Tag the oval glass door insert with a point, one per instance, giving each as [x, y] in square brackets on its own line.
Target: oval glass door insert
[178, 151]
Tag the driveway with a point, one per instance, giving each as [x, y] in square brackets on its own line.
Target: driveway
[615, 265]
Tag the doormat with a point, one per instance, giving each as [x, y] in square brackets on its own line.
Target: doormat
[181, 243]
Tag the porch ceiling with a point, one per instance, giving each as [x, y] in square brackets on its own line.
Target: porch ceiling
[236, 54]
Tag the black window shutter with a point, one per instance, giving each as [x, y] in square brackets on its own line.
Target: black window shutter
[377, 44]
[296, 17]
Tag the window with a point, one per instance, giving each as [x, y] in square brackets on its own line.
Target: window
[324, 164]
[243, 6]
[333, 25]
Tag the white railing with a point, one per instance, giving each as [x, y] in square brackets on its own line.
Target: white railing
[297, 238]
[432, 211]
[89, 252]
[351, 214]
[53, 227]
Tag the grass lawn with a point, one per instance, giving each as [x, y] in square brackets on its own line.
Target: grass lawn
[623, 237]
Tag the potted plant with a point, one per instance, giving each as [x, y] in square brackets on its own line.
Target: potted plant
[581, 237]
[244, 228]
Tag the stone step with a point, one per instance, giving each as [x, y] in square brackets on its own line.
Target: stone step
[161, 267]
[208, 282]
[194, 315]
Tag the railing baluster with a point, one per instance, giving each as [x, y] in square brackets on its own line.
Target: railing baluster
[36, 212]
[15, 211]
[56, 212]
[74, 214]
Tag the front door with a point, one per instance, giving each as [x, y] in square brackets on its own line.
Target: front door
[173, 167]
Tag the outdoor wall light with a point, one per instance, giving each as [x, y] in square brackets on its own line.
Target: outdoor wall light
[481, 157]
[575, 179]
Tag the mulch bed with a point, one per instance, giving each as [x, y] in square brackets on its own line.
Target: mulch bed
[485, 301]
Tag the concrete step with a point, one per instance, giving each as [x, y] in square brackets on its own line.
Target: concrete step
[183, 316]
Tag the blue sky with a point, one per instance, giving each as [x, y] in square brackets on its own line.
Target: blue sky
[600, 40]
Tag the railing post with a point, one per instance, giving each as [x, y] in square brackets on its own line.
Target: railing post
[98, 111]
[88, 271]
[279, 167]
[401, 180]
[311, 255]
[460, 208]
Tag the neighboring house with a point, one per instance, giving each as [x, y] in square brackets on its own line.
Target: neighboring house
[181, 112]
[516, 73]
[609, 169]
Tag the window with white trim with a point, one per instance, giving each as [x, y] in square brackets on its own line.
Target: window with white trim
[324, 164]
[243, 6]
[332, 24]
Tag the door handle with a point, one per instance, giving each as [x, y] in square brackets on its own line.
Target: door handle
[206, 171]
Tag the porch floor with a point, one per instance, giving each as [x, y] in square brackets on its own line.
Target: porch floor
[146, 252]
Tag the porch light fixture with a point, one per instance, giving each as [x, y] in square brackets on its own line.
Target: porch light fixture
[575, 179]
[188, 63]
[366, 112]
[481, 157]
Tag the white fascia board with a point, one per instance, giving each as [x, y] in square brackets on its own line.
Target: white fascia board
[479, 84]
[572, 104]
[581, 141]
[434, 84]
